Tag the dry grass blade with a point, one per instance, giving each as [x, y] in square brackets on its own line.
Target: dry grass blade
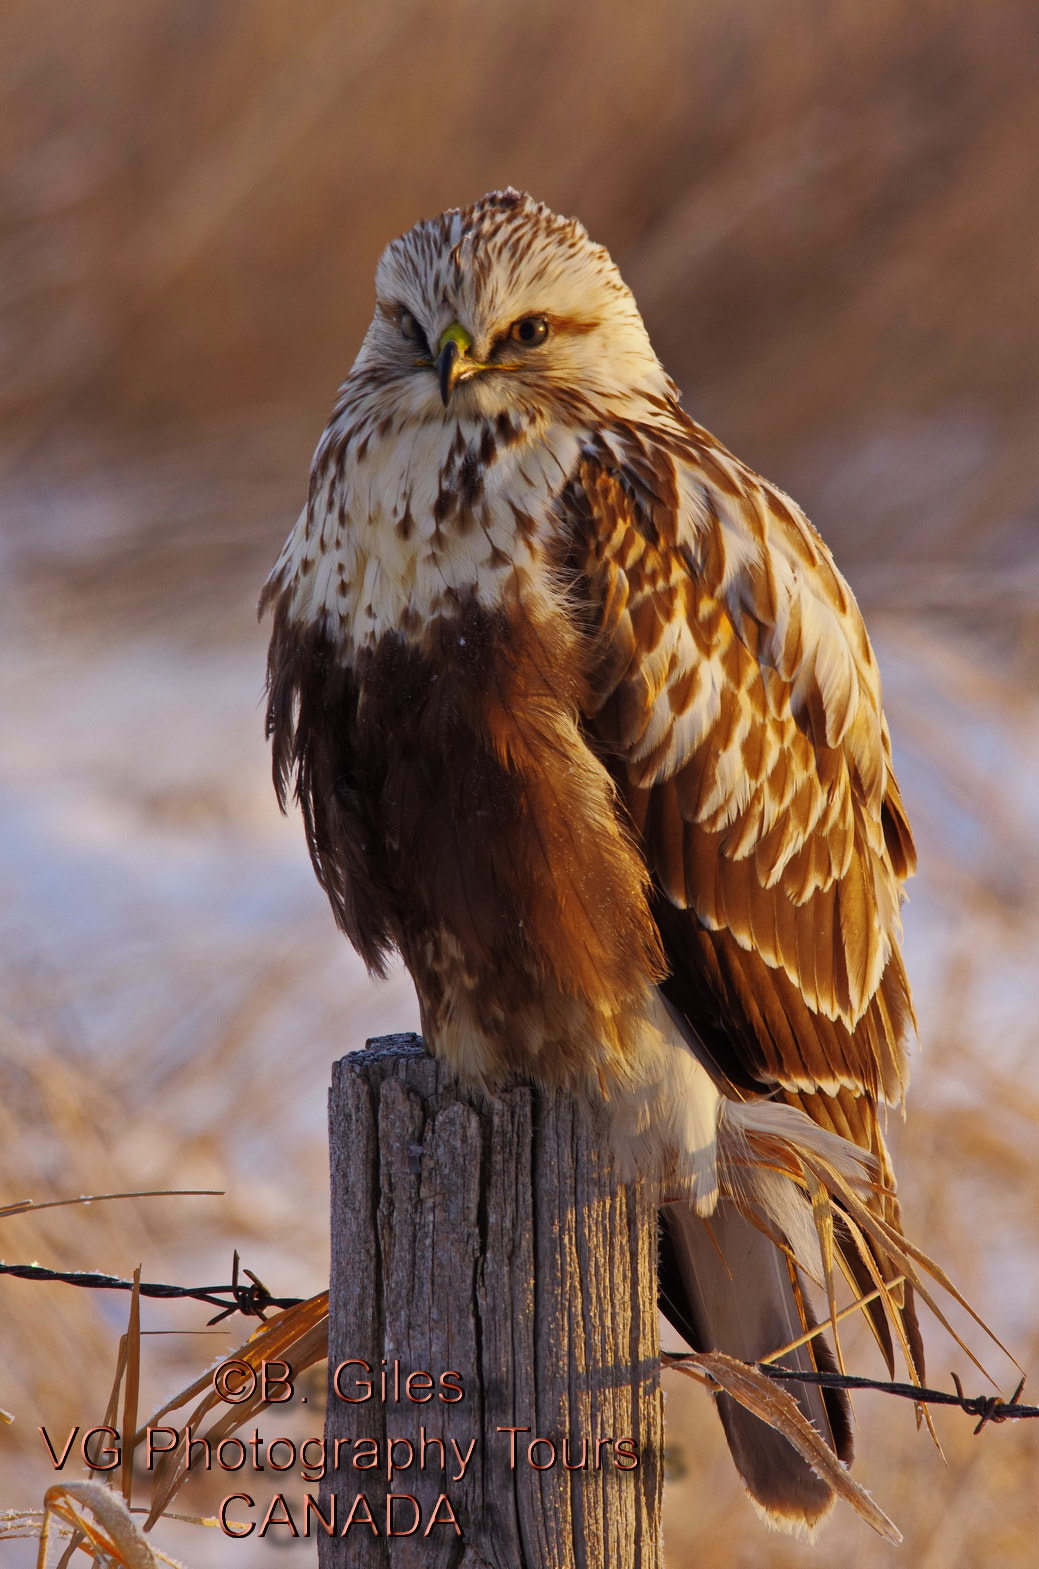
[818, 1329]
[827, 1186]
[822, 1214]
[112, 1533]
[905, 1254]
[885, 1295]
[117, 1383]
[757, 1393]
[828, 1190]
[297, 1335]
[17, 1524]
[23, 1206]
[131, 1388]
[121, 1361]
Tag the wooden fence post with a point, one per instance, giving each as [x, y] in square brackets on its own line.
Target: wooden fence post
[482, 1244]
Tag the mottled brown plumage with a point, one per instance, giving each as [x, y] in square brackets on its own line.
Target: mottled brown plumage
[585, 723]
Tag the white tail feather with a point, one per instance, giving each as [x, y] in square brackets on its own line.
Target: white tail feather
[749, 1135]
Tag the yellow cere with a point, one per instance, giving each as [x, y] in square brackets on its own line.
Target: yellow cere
[456, 333]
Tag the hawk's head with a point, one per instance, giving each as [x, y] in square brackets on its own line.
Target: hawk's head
[505, 306]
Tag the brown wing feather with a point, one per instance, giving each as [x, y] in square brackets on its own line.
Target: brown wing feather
[738, 697]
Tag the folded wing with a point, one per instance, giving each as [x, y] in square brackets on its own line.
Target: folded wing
[736, 699]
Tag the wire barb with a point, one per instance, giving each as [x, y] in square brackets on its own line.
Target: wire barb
[252, 1300]
[987, 1408]
[990, 1408]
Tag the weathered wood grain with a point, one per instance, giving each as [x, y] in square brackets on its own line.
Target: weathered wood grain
[486, 1237]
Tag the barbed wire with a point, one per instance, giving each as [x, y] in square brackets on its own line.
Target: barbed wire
[987, 1408]
[252, 1300]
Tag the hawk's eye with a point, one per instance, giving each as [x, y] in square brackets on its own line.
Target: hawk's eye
[411, 330]
[530, 330]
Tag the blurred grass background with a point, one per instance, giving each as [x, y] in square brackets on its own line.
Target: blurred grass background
[830, 216]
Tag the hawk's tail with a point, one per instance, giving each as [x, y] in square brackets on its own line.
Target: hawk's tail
[795, 1198]
[726, 1287]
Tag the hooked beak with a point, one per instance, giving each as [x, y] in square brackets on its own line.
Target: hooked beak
[452, 362]
[450, 368]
